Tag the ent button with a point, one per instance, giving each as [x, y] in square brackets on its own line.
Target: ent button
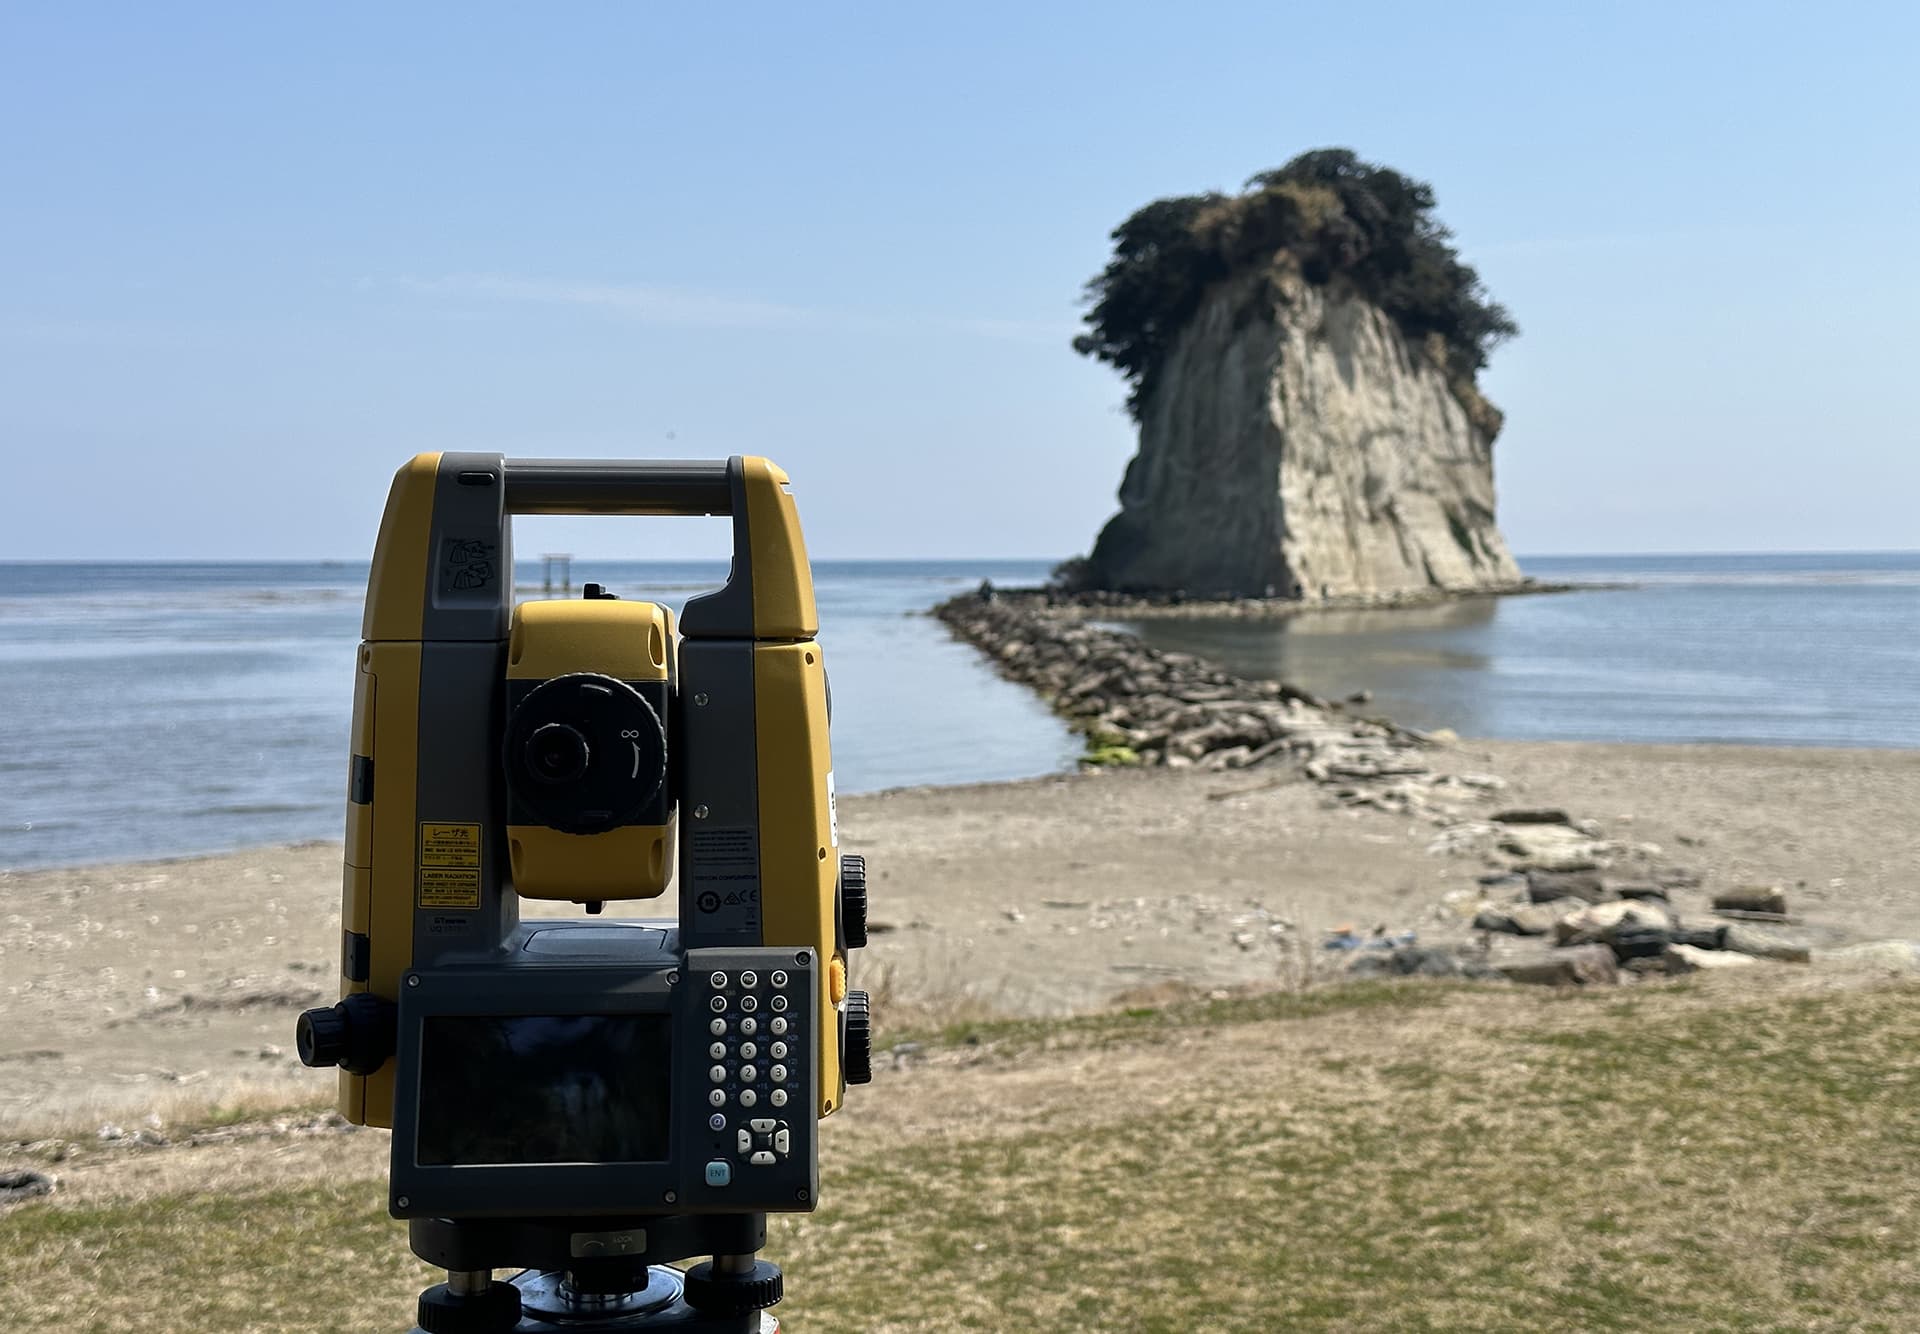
[719, 1172]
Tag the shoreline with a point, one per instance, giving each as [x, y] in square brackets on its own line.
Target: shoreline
[139, 990]
[105, 865]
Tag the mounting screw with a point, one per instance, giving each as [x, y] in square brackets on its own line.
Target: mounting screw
[700, 700]
[800, 1194]
[802, 956]
[699, 812]
[401, 1201]
[673, 978]
[413, 979]
[670, 1196]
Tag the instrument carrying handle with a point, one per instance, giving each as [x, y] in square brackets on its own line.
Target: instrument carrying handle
[617, 486]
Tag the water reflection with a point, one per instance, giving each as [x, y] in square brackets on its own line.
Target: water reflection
[1394, 655]
[1816, 650]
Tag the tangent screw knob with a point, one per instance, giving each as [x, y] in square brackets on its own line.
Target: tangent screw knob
[853, 899]
[858, 1053]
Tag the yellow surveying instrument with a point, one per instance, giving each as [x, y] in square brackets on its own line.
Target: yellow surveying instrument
[586, 1099]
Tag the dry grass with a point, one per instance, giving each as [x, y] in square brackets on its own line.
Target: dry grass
[1736, 1156]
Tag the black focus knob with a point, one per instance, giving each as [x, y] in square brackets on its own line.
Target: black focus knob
[357, 1034]
[733, 1294]
[856, 1053]
[853, 899]
[321, 1036]
[495, 1309]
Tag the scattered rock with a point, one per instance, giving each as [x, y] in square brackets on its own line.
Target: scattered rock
[1753, 898]
[1688, 959]
[1602, 921]
[1418, 961]
[1578, 965]
[1764, 944]
[1547, 886]
[19, 1185]
[1518, 919]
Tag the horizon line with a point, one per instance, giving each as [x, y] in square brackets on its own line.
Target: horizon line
[151, 562]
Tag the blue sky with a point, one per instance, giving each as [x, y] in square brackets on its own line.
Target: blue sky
[252, 257]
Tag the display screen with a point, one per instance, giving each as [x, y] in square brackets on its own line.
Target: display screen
[574, 1088]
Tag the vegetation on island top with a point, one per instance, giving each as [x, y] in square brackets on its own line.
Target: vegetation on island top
[1325, 215]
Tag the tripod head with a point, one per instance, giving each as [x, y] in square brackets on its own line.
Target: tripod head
[587, 1097]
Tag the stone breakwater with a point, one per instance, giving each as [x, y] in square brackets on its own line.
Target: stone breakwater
[1137, 704]
[1558, 902]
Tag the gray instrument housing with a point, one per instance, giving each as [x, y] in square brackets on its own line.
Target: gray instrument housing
[565, 967]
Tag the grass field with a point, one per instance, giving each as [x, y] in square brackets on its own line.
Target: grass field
[1395, 1157]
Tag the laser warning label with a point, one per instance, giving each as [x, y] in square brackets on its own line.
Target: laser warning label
[449, 865]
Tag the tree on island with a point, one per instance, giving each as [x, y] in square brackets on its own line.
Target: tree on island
[1324, 215]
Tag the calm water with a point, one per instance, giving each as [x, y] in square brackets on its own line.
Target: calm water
[1778, 649]
[150, 711]
[158, 710]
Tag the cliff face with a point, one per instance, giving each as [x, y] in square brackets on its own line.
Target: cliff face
[1294, 444]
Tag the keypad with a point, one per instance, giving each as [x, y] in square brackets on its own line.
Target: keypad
[748, 1076]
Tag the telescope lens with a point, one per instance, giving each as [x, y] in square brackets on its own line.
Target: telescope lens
[556, 753]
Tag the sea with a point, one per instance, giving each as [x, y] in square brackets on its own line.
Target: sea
[161, 710]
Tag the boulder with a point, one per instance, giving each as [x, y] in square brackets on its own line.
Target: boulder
[1603, 921]
[1580, 965]
[1551, 847]
[1753, 898]
[1518, 919]
[1688, 959]
[1547, 886]
[17, 1184]
[1765, 944]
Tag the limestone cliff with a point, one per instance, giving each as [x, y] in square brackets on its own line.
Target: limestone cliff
[1293, 443]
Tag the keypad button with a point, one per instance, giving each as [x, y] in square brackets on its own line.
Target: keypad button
[717, 1051]
[778, 1051]
[718, 1121]
[749, 1003]
[747, 1074]
[719, 1172]
[782, 1141]
[778, 1074]
[763, 1125]
[749, 979]
[748, 1097]
[717, 1004]
[779, 1004]
[717, 1098]
[743, 1141]
[718, 1074]
[778, 1026]
[717, 1027]
[762, 1159]
[779, 979]
[778, 1098]
[749, 1027]
[718, 980]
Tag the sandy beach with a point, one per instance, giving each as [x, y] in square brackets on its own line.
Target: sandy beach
[140, 990]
